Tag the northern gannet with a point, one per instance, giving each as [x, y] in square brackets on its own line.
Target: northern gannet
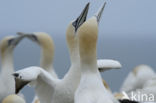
[47, 55]
[62, 91]
[91, 89]
[13, 99]
[137, 78]
[7, 83]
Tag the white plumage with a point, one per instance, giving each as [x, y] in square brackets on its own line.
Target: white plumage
[61, 91]
[46, 60]
[91, 89]
[137, 78]
[7, 83]
[104, 64]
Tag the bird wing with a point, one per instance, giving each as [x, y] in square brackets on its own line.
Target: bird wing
[33, 74]
[106, 64]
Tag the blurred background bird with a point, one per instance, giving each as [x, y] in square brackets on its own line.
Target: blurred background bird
[7, 83]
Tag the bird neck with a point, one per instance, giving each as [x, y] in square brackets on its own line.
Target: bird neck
[46, 59]
[88, 61]
[74, 55]
[88, 67]
[7, 62]
[74, 73]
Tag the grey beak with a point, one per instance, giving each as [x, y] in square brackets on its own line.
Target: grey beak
[15, 41]
[15, 75]
[30, 36]
[82, 18]
[100, 11]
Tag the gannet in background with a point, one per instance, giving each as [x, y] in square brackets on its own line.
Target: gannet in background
[47, 55]
[137, 78]
[91, 89]
[7, 83]
[150, 85]
[47, 48]
[148, 90]
[107, 64]
[13, 99]
[60, 91]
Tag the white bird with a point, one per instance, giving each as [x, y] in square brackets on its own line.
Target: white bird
[61, 91]
[136, 79]
[7, 83]
[47, 55]
[91, 89]
[13, 99]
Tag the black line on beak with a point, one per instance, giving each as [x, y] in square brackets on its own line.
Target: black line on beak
[82, 18]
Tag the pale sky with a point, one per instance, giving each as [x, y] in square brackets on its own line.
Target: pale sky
[121, 18]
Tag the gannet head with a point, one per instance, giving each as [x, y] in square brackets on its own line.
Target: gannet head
[41, 38]
[141, 68]
[25, 76]
[13, 99]
[88, 33]
[73, 27]
[8, 43]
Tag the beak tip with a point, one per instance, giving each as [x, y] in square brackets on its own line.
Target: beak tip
[100, 11]
[82, 18]
[88, 4]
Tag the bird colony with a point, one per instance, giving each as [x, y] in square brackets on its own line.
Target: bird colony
[83, 82]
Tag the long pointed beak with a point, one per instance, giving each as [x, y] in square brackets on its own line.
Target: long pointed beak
[100, 11]
[82, 18]
[30, 36]
[15, 40]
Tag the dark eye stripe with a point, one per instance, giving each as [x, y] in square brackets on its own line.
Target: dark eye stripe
[34, 37]
[10, 41]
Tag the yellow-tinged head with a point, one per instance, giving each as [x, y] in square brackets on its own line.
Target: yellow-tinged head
[13, 99]
[71, 33]
[5, 45]
[44, 40]
[88, 34]
[139, 68]
[8, 43]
